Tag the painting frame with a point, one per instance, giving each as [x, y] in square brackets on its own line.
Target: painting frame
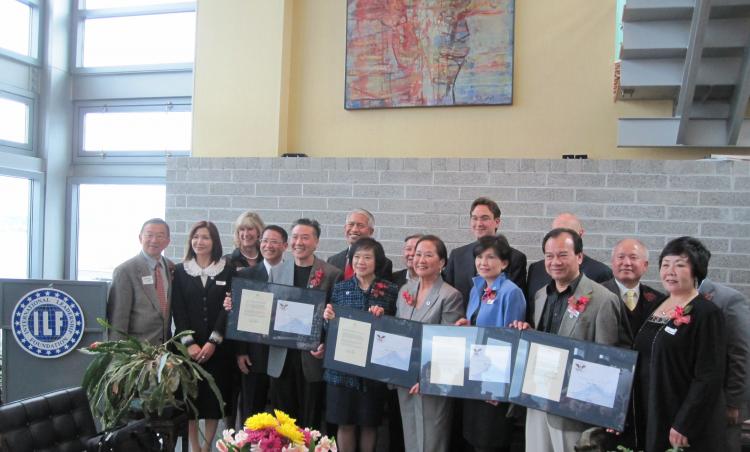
[429, 53]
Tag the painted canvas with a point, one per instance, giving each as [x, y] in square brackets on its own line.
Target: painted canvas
[425, 53]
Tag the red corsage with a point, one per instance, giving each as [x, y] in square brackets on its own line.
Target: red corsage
[316, 279]
[680, 315]
[649, 296]
[378, 289]
[408, 298]
[489, 295]
[577, 306]
[708, 295]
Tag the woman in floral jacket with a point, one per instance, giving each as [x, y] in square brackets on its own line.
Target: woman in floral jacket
[353, 401]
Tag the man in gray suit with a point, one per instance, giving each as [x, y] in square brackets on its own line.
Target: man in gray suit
[574, 306]
[141, 287]
[297, 385]
[736, 312]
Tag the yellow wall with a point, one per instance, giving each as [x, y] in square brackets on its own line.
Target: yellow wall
[562, 94]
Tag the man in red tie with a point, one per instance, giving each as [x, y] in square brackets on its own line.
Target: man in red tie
[138, 303]
[359, 223]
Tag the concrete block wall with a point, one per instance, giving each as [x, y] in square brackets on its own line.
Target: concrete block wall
[654, 200]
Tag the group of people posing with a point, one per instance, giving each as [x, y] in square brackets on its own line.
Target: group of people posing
[693, 340]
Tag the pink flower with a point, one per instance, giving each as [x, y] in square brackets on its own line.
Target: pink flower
[649, 296]
[680, 317]
[578, 305]
[408, 298]
[379, 289]
[488, 295]
[316, 279]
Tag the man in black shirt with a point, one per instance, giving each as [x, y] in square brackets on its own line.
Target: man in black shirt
[538, 277]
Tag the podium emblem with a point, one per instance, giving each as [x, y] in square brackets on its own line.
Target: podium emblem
[47, 323]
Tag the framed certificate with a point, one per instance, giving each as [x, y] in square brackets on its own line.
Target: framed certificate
[467, 361]
[275, 314]
[381, 348]
[576, 379]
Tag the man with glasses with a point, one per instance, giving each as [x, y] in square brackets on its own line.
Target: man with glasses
[138, 303]
[252, 358]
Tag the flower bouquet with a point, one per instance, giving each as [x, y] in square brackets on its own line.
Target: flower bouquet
[266, 433]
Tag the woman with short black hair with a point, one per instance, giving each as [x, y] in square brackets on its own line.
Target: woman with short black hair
[679, 397]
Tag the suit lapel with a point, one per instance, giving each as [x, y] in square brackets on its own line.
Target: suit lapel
[431, 301]
[568, 324]
[540, 299]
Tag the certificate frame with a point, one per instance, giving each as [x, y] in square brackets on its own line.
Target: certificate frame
[497, 389]
[314, 297]
[388, 325]
[604, 357]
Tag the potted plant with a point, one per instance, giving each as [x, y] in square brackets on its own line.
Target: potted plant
[132, 374]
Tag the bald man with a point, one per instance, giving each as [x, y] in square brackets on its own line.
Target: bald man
[629, 264]
[592, 268]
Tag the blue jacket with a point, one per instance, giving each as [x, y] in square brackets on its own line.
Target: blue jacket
[509, 304]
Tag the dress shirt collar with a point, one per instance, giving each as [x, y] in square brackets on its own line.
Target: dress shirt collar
[624, 290]
[151, 261]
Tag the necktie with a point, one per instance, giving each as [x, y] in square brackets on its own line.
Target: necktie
[348, 270]
[161, 293]
[630, 299]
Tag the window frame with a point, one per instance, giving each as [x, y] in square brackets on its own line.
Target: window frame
[28, 98]
[35, 248]
[73, 211]
[35, 37]
[131, 105]
[80, 15]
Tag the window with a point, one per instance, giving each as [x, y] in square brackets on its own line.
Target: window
[161, 129]
[14, 121]
[15, 221]
[16, 27]
[120, 34]
[109, 219]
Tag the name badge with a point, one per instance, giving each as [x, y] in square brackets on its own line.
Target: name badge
[147, 279]
[490, 301]
[670, 330]
[221, 283]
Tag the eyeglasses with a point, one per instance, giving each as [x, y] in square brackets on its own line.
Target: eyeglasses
[149, 236]
[271, 242]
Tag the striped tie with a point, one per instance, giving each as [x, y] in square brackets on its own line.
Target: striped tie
[630, 300]
[161, 293]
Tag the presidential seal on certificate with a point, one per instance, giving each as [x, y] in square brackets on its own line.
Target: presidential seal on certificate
[467, 361]
[275, 314]
[580, 380]
[381, 348]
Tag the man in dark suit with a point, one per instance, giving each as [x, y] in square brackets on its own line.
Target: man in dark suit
[401, 277]
[570, 305]
[297, 385]
[629, 264]
[736, 312]
[485, 220]
[252, 358]
[359, 223]
[592, 268]
[138, 303]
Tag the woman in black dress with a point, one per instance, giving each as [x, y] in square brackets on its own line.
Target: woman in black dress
[200, 284]
[679, 400]
[353, 401]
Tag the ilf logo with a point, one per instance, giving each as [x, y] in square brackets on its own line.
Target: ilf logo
[47, 323]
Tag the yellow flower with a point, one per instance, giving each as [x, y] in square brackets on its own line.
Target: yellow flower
[260, 421]
[291, 432]
[284, 418]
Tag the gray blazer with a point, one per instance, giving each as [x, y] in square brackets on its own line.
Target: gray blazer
[600, 322]
[736, 312]
[133, 306]
[444, 304]
[284, 274]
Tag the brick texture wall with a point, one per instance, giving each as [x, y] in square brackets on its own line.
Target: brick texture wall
[653, 200]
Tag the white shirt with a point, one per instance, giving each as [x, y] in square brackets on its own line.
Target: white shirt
[624, 290]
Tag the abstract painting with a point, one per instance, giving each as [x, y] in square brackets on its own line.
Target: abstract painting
[425, 53]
